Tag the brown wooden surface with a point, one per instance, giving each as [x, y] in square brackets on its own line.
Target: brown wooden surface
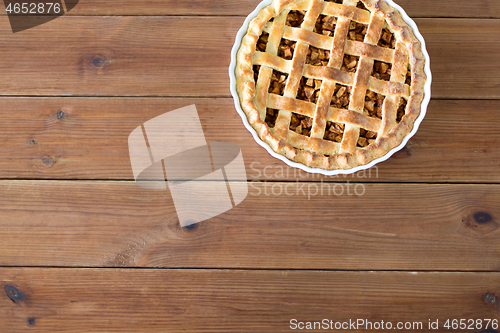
[422, 8]
[89, 300]
[428, 222]
[368, 226]
[147, 56]
[90, 141]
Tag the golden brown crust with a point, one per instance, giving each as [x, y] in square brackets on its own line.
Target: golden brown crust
[311, 151]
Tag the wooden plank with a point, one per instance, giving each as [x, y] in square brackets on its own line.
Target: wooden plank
[90, 141]
[421, 8]
[446, 42]
[278, 225]
[179, 56]
[142, 56]
[103, 300]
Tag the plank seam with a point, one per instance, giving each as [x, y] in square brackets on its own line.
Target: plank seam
[340, 181]
[251, 269]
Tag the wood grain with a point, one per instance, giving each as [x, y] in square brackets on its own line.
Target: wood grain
[278, 226]
[176, 56]
[90, 140]
[420, 8]
[299, 236]
[90, 300]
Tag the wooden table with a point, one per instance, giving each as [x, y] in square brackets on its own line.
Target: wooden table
[83, 249]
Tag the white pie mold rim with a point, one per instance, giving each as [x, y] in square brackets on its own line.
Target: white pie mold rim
[418, 121]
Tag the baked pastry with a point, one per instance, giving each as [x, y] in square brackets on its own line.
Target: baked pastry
[331, 84]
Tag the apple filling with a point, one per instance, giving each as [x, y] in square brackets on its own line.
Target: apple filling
[325, 25]
[401, 110]
[361, 5]
[387, 39]
[317, 57]
[301, 124]
[278, 83]
[382, 70]
[309, 90]
[408, 77]
[286, 49]
[373, 104]
[341, 96]
[366, 138]
[262, 42]
[350, 63]
[271, 116]
[295, 18]
[334, 132]
[357, 31]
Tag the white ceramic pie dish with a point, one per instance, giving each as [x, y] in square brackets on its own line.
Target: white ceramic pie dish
[418, 121]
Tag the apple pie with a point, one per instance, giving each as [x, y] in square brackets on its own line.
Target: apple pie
[331, 84]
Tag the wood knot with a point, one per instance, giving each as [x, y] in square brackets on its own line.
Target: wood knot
[47, 161]
[13, 293]
[99, 61]
[31, 321]
[405, 152]
[477, 223]
[490, 298]
[32, 142]
[190, 227]
[482, 217]
[60, 115]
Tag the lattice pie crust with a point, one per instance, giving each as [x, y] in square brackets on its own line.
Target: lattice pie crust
[330, 84]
